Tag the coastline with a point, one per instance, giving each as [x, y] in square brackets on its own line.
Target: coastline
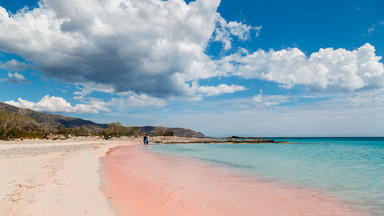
[83, 177]
[145, 183]
[45, 177]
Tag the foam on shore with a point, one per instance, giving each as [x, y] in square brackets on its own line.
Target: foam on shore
[138, 182]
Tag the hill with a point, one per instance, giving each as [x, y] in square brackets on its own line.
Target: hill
[54, 120]
[181, 132]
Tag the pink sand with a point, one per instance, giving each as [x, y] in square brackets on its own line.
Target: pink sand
[141, 183]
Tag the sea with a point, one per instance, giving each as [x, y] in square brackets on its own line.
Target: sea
[348, 168]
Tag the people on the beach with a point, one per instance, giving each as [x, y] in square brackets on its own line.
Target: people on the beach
[145, 139]
[164, 138]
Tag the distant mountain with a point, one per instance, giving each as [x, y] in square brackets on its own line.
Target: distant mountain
[52, 120]
[181, 132]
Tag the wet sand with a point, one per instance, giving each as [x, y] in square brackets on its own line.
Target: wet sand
[138, 182]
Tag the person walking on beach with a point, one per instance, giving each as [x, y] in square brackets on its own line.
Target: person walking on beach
[145, 140]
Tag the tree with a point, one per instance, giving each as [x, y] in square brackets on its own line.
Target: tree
[30, 130]
[82, 131]
[10, 121]
[117, 130]
[134, 131]
[113, 130]
[168, 133]
[45, 129]
[65, 131]
[159, 130]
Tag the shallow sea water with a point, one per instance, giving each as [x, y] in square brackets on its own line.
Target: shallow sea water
[351, 169]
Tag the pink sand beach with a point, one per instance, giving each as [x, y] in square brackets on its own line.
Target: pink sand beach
[138, 182]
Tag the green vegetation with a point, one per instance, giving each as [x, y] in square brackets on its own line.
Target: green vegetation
[13, 125]
[168, 133]
[162, 131]
[117, 130]
[20, 126]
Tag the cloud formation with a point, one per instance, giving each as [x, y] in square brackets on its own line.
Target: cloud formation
[143, 100]
[226, 30]
[15, 78]
[148, 47]
[14, 66]
[60, 105]
[327, 70]
[216, 90]
[271, 100]
[88, 88]
[157, 48]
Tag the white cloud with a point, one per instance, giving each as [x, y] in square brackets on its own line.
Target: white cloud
[15, 78]
[88, 88]
[226, 30]
[327, 70]
[216, 90]
[373, 98]
[271, 100]
[14, 66]
[60, 105]
[144, 100]
[150, 47]
[370, 30]
[373, 28]
[155, 48]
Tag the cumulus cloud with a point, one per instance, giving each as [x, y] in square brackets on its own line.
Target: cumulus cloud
[226, 30]
[156, 48]
[329, 69]
[88, 88]
[150, 47]
[60, 105]
[15, 78]
[271, 100]
[143, 100]
[216, 90]
[14, 66]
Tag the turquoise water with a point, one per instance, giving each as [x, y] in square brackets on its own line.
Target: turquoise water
[351, 169]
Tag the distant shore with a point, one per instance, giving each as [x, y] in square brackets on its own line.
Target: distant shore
[212, 140]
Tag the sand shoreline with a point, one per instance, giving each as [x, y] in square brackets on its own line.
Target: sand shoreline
[145, 183]
[69, 178]
[45, 177]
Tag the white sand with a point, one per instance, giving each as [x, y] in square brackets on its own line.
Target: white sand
[53, 177]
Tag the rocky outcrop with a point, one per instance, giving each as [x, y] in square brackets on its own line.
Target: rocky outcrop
[180, 132]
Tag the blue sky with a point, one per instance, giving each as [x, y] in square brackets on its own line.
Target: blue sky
[248, 68]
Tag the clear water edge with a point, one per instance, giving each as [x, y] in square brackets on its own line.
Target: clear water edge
[351, 169]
